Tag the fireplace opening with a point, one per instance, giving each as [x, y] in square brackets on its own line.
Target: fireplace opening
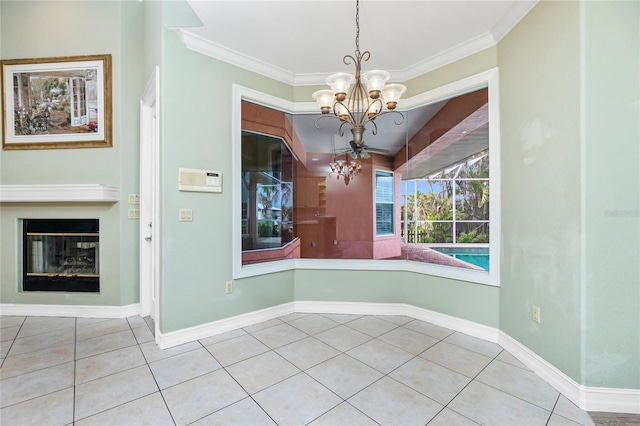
[61, 255]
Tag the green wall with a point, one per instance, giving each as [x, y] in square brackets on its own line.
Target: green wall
[570, 129]
[196, 258]
[539, 64]
[32, 30]
[611, 191]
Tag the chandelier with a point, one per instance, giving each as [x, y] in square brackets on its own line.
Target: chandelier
[362, 103]
[345, 168]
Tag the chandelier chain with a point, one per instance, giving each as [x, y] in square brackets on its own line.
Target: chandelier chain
[358, 27]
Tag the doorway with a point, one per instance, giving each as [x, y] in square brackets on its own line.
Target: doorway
[149, 202]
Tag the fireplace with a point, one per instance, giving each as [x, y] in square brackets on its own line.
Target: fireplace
[61, 255]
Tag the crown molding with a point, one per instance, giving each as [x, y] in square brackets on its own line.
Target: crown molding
[206, 47]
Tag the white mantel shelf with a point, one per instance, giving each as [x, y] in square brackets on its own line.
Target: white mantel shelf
[74, 193]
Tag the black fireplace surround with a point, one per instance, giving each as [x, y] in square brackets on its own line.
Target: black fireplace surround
[61, 255]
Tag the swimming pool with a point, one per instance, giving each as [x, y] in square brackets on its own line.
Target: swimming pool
[475, 256]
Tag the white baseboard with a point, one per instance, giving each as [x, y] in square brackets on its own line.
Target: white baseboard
[186, 335]
[80, 311]
[587, 398]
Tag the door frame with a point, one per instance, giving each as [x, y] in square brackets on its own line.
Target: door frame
[150, 200]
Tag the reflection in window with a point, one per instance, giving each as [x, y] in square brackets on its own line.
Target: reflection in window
[428, 178]
[449, 210]
[267, 192]
[384, 203]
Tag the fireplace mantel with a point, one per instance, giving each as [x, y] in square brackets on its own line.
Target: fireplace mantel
[73, 193]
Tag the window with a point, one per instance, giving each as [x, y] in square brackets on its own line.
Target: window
[426, 185]
[267, 192]
[384, 203]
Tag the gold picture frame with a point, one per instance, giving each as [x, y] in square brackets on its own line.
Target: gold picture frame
[62, 102]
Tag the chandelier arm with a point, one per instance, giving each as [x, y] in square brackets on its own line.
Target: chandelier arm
[393, 112]
[340, 129]
[321, 117]
[374, 131]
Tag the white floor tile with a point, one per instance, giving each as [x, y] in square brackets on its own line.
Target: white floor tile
[447, 417]
[520, 383]
[430, 379]
[105, 364]
[111, 380]
[242, 413]
[148, 410]
[391, 403]
[344, 375]
[11, 321]
[238, 349]
[342, 338]
[409, 340]
[33, 326]
[569, 410]
[106, 343]
[38, 383]
[262, 371]
[486, 405]
[182, 367]
[372, 325]
[429, 329]
[380, 355]
[36, 360]
[342, 318]
[208, 341]
[41, 341]
[114, 390]
[457, 358]
[297, 400]
[279, 335]
[194, 399]
[153, 353]
[52, 409]
[101, 328]
[474, 344]
[343, 414]
[307, 352]
[313, 324]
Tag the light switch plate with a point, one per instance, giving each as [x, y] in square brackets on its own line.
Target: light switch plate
[185, 215]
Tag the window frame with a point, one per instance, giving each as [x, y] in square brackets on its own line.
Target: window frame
[488, 79]
[391, 174]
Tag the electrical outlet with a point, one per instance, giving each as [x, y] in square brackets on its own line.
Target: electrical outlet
[535, 313]
[133, 214]
[134, 199]
[229, 286]
[185, 215]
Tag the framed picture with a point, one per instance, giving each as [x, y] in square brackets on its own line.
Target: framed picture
[56, 102]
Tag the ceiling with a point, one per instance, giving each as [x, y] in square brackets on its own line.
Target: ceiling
[301, 42]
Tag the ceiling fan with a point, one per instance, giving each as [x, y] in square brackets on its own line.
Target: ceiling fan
[361, 151]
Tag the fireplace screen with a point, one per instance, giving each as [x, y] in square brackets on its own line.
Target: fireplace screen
[61, 255]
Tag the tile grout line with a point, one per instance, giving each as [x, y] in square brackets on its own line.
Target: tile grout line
[151, 371]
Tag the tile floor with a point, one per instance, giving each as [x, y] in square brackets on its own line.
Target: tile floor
[299, 369]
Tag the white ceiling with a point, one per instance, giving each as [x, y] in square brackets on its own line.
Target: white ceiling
[301, 42]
